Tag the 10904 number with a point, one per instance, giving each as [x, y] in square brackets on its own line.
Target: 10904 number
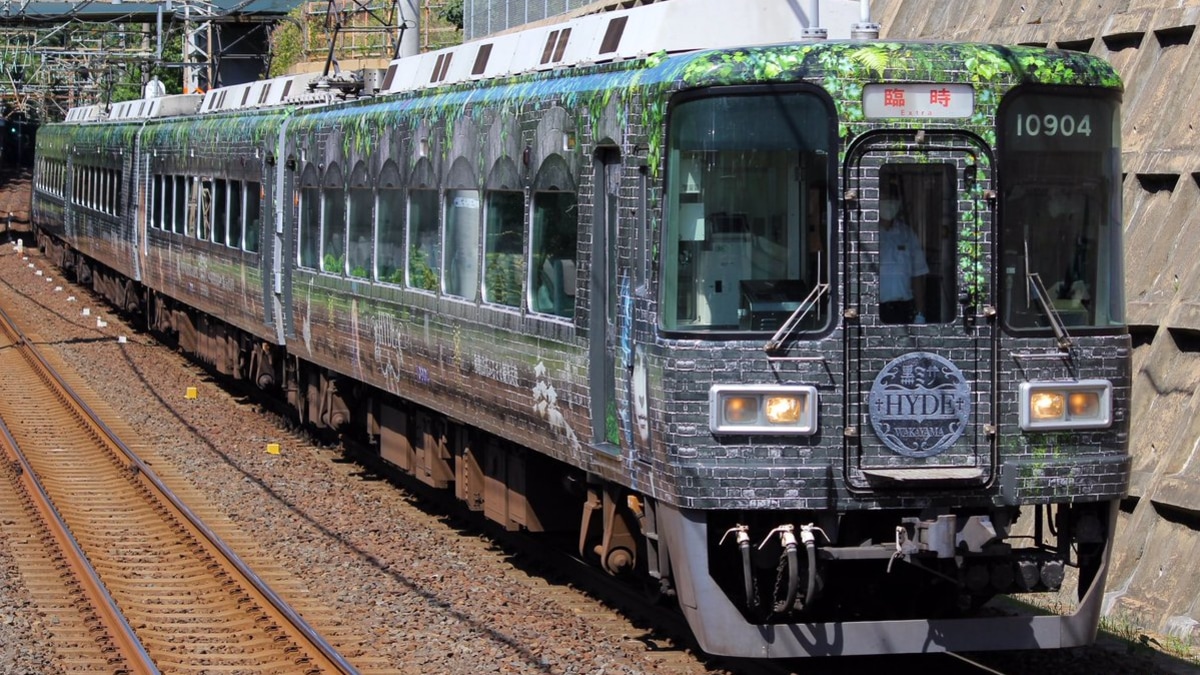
[1054, 125]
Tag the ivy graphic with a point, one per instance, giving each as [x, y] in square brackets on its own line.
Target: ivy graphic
[842, 68]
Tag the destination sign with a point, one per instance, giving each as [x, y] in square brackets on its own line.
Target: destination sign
[926, 101]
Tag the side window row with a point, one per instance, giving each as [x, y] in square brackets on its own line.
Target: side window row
[217, 210]
[52, 175]
[460, 242]
[97, 188]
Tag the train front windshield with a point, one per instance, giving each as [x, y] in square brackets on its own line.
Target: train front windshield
[747, 211]
[1060, 212]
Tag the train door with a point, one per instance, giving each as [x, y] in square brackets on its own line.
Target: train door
[603, 312]
[141, 184]
[266, 220]
[920, 359]
[70, 198]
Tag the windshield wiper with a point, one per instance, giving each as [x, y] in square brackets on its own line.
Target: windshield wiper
[776, 342]
[1056, 322]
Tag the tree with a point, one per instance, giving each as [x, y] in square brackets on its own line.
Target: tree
[287, 42]
[452, 12]
[123, 81]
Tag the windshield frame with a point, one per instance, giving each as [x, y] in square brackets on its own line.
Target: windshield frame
[1018, 185]
[667, 271]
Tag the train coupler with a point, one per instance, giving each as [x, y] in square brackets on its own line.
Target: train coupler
[944, 537]
[941, 536]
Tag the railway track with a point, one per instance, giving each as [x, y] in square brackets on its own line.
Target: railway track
[137, 582]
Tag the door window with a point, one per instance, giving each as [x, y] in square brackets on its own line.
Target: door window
[917, 213]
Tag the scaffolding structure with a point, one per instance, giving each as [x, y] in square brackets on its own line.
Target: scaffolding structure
[49, 68]
[199, 66]
[374, 29]
[103, 52]
[435, 31]
[50, 63]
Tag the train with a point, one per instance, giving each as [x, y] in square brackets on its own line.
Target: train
[823, 340]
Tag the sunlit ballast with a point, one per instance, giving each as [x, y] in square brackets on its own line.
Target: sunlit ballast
[762, 409]
[1083, 404]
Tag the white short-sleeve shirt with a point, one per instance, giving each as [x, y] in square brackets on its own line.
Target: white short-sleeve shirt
[901, 259]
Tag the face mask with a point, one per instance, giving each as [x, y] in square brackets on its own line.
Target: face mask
[888, 208]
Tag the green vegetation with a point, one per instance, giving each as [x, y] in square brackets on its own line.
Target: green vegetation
[304, 35]
[287, 42]
[421, 274]
[452, 13]
[1131, 629]
[334, 263]
[504, 278]
[1123, 625]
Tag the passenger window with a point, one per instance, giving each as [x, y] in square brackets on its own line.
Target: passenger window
[358, 253]
[156, 219]
[310, 218]
[237, 216]
[220, 212]
[179, 209]
[424, 257]
[461, 264]
[333, 225]
[201, 217]
[253, 213]
[555, 234]
[168, 206]
[504, 278]
[389, 228]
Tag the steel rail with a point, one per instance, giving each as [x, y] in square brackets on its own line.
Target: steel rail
[124, 637]
[87, 415]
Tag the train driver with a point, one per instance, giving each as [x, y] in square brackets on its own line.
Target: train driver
[902, 267]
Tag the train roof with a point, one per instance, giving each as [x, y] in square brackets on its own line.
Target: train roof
[631, 36]
[671, 27]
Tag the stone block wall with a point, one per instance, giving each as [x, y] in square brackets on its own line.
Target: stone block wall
[1155, 47]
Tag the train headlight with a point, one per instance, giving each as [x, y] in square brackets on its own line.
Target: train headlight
[1084, 404]
[757, 409]
[784, 409]
[1045, 405]
[740, 409]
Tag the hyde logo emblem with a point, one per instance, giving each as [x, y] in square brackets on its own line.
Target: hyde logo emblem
[919, 405]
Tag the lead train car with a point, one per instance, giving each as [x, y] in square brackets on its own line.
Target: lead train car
[640, 301]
